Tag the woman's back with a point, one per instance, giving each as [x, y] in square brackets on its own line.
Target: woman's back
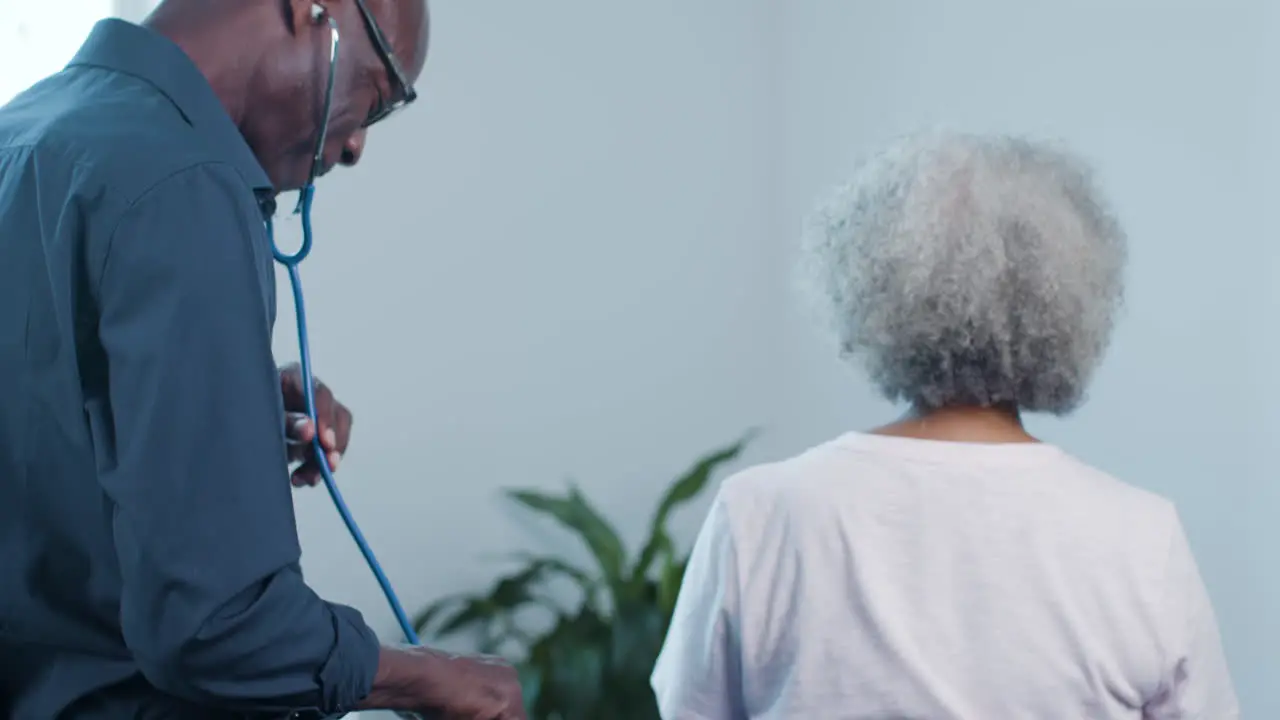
[949, 566]
[886, 577]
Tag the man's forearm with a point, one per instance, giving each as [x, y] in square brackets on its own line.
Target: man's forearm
[395, 685]
[405, 679]
[434, 683]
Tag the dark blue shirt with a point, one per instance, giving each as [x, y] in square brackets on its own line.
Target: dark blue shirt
[148, 548]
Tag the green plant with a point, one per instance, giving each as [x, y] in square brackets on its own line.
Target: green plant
[593, 662]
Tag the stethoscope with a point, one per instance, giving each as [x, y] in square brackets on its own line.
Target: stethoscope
[291, 261]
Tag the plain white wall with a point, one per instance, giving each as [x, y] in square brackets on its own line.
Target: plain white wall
[37, 38]
[1171, 101]
[572, 258]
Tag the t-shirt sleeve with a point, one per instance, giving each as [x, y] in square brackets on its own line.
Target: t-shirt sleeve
[1197, 681]
[698, 673]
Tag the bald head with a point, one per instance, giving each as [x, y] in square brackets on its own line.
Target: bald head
[269, 61]
[407, 25]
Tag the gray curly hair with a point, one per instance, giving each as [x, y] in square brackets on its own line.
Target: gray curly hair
[965, 270]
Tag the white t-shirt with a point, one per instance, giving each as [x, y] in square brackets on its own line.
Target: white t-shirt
[879, 577]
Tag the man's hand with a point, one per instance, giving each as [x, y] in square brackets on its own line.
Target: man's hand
[437, 684]
[335, 426]
[476, 687]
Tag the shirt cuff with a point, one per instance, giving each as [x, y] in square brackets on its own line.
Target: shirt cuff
[347, 677]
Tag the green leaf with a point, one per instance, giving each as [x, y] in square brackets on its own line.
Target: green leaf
[686, 488]
[475, 613]
[660, 547]
[574, 512]
[425, 617]
[505, 596]
[512, 591]
[669, 582]
[573, 662]
[588, 585]
[557, 566]
[530, 685]
[592, 663]
[637, 630]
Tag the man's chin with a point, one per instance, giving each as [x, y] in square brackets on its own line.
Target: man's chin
[287, 182]
[297, 183]
[292, 178]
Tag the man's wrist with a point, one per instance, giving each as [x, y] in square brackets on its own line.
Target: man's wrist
[401, 682]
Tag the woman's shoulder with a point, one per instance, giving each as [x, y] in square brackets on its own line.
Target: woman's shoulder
[1101, 487]
[862, 467]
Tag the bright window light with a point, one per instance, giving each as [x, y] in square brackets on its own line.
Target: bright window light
[39, 37]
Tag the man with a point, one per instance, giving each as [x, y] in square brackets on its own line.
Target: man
[148, 550]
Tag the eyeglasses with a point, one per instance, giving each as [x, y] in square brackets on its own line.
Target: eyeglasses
[396, 73]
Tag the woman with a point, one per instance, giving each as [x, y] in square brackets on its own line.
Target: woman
[949, 565]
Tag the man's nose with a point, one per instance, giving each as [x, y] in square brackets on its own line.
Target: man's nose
[354, 148]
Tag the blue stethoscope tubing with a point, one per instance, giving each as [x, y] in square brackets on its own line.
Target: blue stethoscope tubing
[291, 261]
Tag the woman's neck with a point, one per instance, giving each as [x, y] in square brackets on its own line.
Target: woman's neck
[1001, 424]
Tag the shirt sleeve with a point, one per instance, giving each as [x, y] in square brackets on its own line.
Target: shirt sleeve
[214, 607]
[1197, 680]
[698, 673]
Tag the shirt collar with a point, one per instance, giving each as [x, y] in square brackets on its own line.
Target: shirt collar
[134, 50]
